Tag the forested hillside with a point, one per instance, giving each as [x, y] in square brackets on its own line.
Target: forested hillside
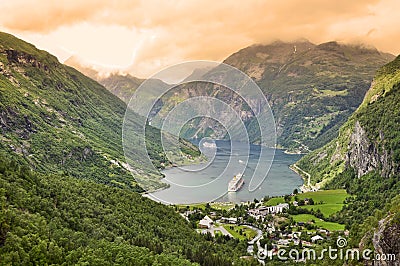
[60, 121]
[52, 219]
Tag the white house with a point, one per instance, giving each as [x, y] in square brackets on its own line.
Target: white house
[263, 211]
[316, 238]
[278, 208]
[230, 220]
[283, 242]
[206, 222]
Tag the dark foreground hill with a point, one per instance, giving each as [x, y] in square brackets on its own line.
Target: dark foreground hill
[60, 220]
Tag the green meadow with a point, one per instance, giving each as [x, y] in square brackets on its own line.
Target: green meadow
[318, 222]
[327, 201]
[246, 232]
[274, 201]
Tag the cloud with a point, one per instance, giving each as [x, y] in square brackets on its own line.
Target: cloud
[149, 35]
[45, 16]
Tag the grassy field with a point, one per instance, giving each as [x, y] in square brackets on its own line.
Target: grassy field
[274, 201]
[318, 222]
[332, 200]
[222, 205]
[326, 209]
[247, 233]
[218, 233]
[193, 206]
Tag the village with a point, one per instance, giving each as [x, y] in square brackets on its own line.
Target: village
[293, 221]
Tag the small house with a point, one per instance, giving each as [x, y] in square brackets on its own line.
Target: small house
[206, 222]
[316, 238]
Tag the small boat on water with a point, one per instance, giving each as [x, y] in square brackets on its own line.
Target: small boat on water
[236, 183]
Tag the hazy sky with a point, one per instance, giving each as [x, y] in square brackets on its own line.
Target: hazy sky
[142, 37]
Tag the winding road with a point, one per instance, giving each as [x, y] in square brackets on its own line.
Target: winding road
[311, 187]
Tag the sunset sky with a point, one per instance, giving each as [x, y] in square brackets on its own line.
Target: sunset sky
[142, 37]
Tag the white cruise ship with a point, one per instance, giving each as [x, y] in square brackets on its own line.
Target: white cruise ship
[209, 145]
[236, 183]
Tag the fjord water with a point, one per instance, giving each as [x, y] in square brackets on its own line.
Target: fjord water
[280, 180]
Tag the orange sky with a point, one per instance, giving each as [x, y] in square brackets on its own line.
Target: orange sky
[141, 37]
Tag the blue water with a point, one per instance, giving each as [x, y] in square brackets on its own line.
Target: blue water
[208, 181]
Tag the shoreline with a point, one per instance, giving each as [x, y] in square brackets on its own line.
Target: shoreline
[294, 169]
[202, 159]
[286, 151]
[301, 188]
[306, 187]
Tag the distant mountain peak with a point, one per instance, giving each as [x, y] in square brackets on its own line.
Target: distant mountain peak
[300, 77]
[279, 41]
[353, 49]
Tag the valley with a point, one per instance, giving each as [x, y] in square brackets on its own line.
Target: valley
[69, 195]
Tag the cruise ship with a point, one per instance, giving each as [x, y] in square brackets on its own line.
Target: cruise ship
[209, 145]
[236, 183]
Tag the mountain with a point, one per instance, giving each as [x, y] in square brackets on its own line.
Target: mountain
[365, 159]
[59, 121]
[123, 86]
[367, 142]
[312, 89]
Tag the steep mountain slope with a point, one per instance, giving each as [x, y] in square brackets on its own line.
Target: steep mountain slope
[368, 141]
[312, 89]
[60, 121]
[365, 159]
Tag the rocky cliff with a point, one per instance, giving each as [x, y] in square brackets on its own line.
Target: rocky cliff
[386, 241]
[365, 155]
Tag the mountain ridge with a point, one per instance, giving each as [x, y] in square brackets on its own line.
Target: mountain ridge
[311, 88]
